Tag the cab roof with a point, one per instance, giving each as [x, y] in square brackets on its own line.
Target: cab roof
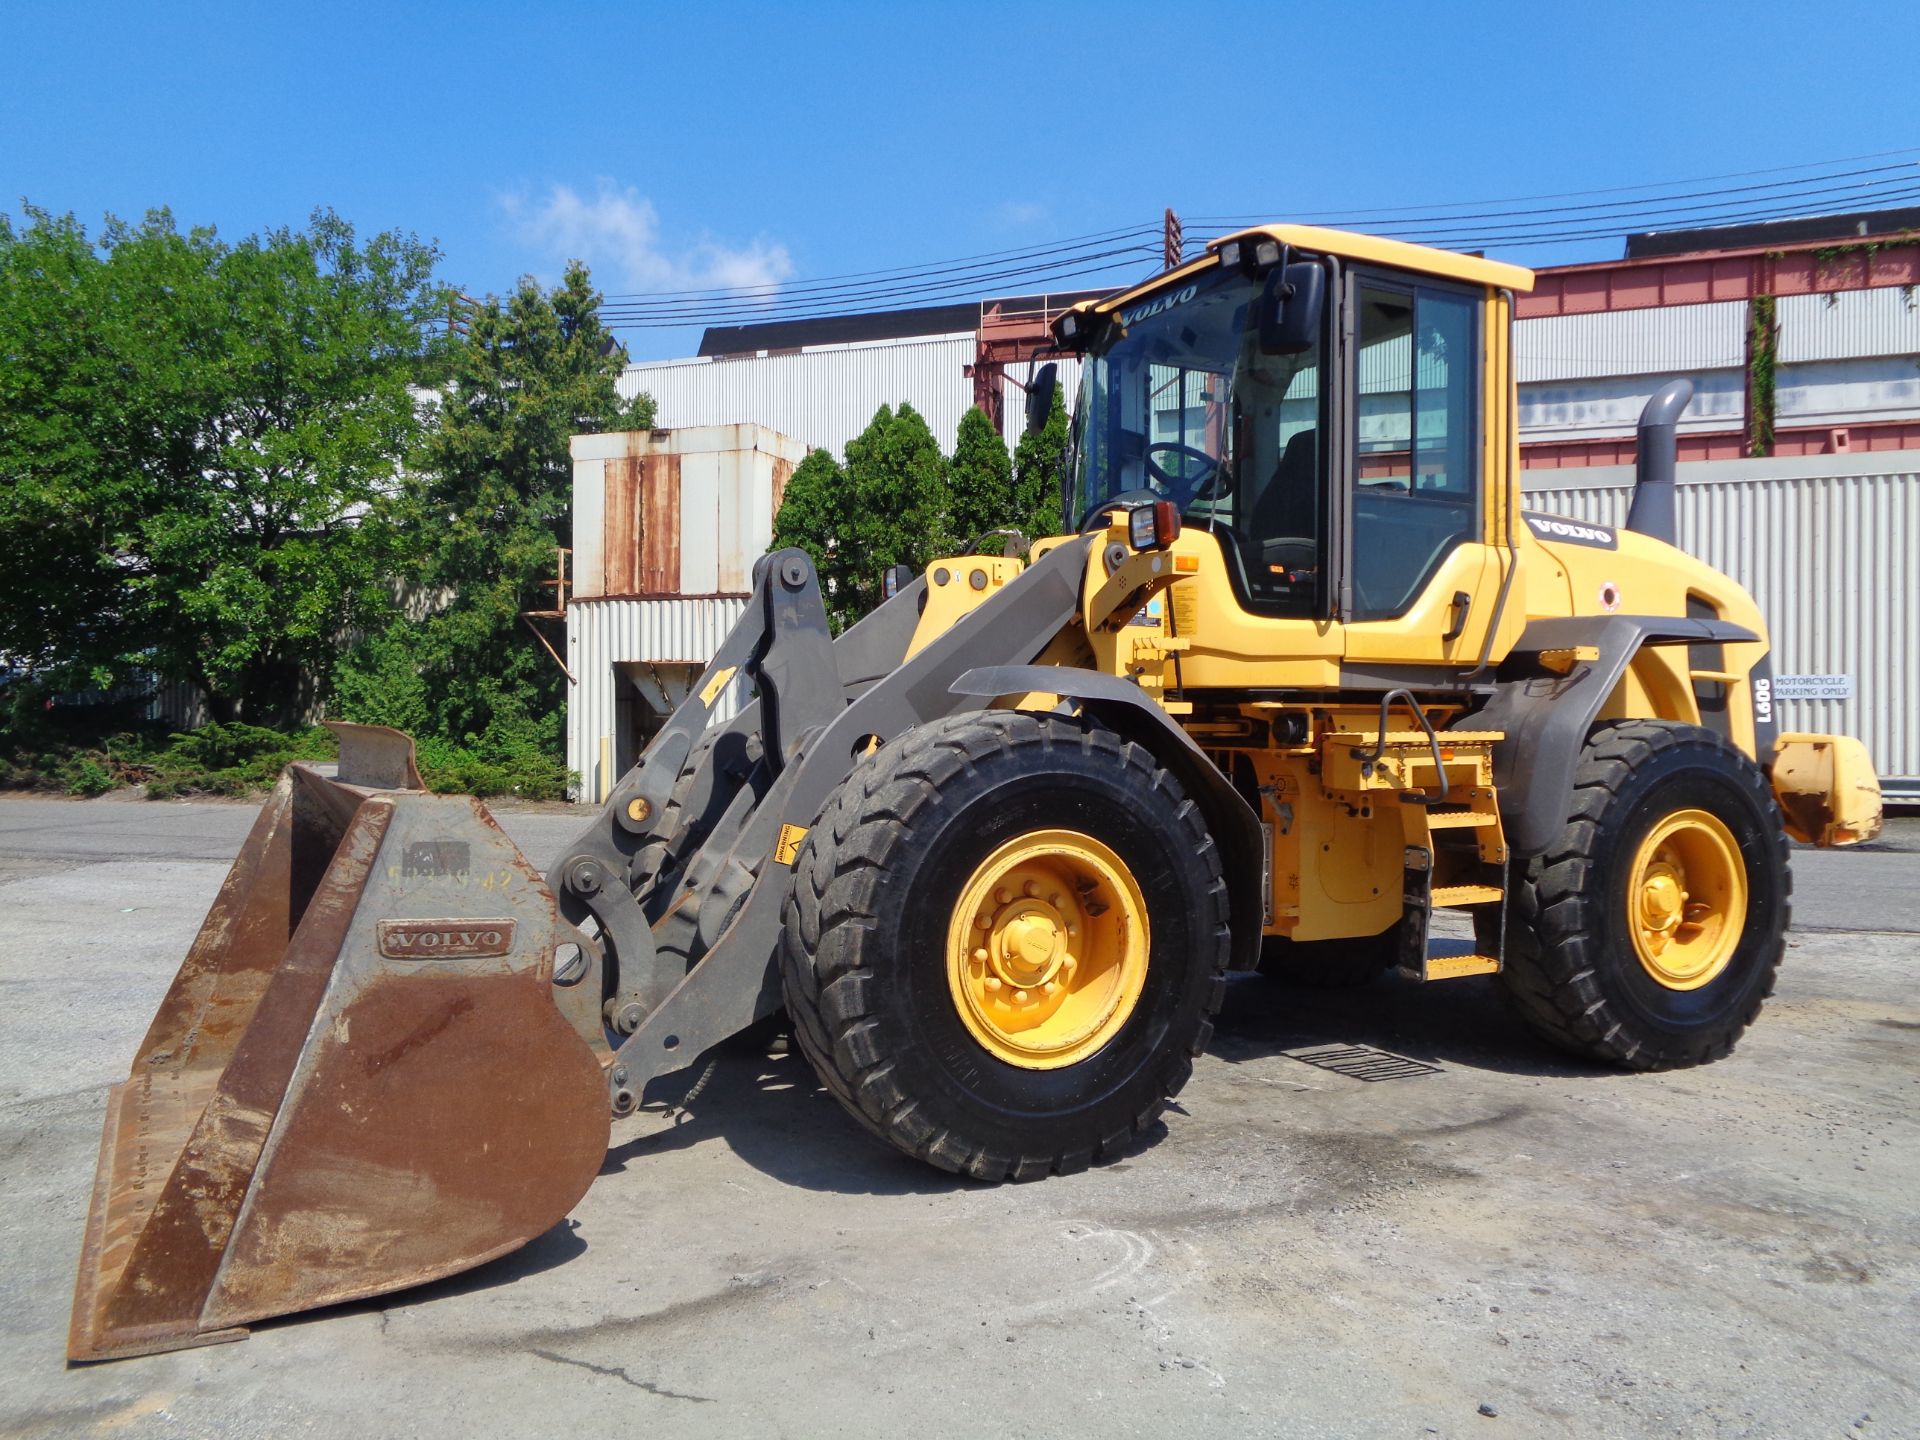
[1348, 245]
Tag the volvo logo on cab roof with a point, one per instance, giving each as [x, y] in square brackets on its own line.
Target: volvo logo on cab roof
[1155, 307]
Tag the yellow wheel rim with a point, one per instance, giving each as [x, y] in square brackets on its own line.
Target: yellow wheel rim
[1687, 898]
[1047, 949]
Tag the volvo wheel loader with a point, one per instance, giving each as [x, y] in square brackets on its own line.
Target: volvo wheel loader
[1301, 672]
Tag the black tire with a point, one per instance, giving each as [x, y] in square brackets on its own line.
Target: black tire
[863, 943]
[1330, 964]
[1571, 969]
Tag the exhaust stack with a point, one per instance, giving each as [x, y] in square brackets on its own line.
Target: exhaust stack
[1657, 451]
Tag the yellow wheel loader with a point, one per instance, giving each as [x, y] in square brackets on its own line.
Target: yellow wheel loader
[1303, 672]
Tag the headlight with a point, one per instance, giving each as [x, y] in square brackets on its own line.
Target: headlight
[1153, 527]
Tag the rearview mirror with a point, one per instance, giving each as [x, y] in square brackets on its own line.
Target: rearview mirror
[1290, 307]
[1040, 395]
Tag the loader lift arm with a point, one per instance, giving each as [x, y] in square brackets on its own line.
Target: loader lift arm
[705, 970]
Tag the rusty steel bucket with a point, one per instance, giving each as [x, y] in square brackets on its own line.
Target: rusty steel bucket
[358, 1080]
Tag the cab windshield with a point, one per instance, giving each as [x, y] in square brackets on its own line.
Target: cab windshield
[1178, 402]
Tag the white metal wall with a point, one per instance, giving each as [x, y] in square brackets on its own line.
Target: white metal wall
[1849, 324]
[604, 634]
[824, 396]
[1829, 546]
[1674, 338]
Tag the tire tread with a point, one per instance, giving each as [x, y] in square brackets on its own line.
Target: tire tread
[828, 922]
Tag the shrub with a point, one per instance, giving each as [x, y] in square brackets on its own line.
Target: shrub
[230, 759]
[87, 776]
[492, 769]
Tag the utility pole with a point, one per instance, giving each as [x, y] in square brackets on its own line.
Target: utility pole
[1170, 239]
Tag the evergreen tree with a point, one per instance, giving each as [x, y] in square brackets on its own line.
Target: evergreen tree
[885, 507]
[980, 495]
[814, 514]
[1039, 465]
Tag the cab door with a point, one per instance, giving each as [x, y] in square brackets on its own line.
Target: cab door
[1418, 569]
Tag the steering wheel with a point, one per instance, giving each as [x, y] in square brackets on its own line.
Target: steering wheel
[1212, 483]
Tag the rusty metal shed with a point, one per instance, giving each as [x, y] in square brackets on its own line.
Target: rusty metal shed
[666, 527]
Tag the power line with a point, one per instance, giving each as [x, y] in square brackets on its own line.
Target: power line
[907, 271]
[1103, 253]
[948, 293]
[1654, 206]
[1615, 225]
[970, 284]
[976, 280]
[1589, 229]
[1582, 194]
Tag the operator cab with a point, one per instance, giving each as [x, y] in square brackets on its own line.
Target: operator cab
[1322, 417]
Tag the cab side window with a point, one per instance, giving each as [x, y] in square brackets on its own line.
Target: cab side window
[1417, 487]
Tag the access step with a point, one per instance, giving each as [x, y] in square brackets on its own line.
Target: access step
[1453, 967]
[1447, 897]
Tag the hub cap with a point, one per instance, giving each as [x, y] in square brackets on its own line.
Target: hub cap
[1047, 949]
[1687, 899]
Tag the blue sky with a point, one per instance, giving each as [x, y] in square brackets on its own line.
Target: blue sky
[682, 145]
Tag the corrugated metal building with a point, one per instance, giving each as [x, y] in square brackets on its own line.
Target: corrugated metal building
[666, 526]
[1830, 548]
[1845, 360]
[822, 395]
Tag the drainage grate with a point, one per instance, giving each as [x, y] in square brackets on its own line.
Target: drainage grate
[1361, 1063]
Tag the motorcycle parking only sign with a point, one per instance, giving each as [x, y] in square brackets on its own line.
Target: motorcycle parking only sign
[1813, 687]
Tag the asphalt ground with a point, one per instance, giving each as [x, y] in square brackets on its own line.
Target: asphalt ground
[1729, 1251]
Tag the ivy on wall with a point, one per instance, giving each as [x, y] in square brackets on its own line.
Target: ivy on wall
[1763, 343]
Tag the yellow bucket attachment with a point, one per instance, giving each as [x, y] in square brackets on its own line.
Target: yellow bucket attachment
[358, 1080]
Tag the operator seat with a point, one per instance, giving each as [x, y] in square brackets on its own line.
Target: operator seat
[1282, 526]
[1288, 507]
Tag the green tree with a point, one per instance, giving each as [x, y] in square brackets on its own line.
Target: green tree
[814, 513]
[1039, 464]
[980, 495]
[192, 438]
[885, 507]
[484, 514]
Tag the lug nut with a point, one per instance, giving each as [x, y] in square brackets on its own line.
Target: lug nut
[983, 921]
[980, 957]
[992, 983]
[1030, 888]
[1020, 997]
[1052, 987]
[1003, 895]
